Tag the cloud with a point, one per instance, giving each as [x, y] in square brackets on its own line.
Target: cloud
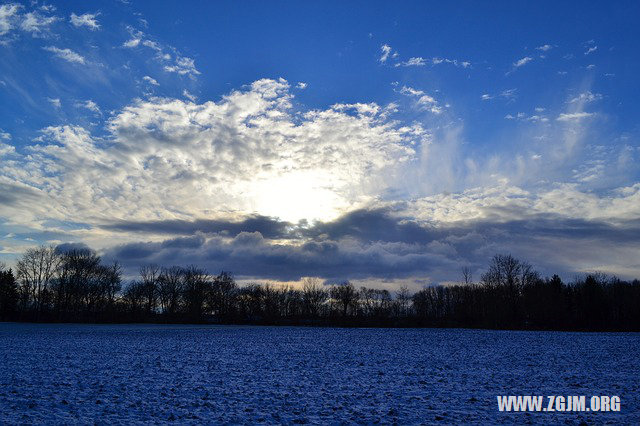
[413, 62]
[544, 48]
[386, 51]
[385, 244]
[150, 80]
[521, 62]
[85, 20]
[586, 97]
[268, 227]
[55, 102]
[423, 100]
[134, 42]
[521, 116]
[66, 54]
[455, 62]
[183, 66]
[508, 94]
[37, 24]
[90, 105]
[301, 85]
[171, 159]
[189, 96]
[8, 17]
[574, 116]
[590, 50]
[172, 62]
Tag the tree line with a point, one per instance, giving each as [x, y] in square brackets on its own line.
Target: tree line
[77, 286]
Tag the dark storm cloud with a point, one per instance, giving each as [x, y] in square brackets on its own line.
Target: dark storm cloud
[373, 225]
[250, 255]
[268, 227]
[374, 244]
[68, 247]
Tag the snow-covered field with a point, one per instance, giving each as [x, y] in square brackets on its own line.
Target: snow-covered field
[228, 374]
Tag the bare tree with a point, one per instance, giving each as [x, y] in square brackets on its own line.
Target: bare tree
[170, 287]
[345, 296]
[467, 277]
[35, 270]
[313, 296]
[150, 275]
[403, 299]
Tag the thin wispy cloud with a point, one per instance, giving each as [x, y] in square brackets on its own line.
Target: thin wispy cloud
[590, 50]
[66, 54]
[574, 116]
[151, 80]
[586, 97]
[89, 105]
[87, 20]
[36, 23]
[522, 62]
[544, 47]
[385, 51]
[412, 62]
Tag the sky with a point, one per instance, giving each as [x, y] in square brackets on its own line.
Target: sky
[387, 143]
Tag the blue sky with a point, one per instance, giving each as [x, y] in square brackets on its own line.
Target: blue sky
[275, 139]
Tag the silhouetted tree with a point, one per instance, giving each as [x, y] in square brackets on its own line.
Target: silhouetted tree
[222, 297]
[150, 275]
[8, 293]
[314, 297]
[196, 291]
[170, 289]
[35, 270]
[345, 296]
[76, 285]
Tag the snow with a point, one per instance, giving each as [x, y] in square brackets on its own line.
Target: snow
[233, 374]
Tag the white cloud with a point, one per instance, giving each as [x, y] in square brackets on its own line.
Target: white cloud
[5, 149]
[590, 50]
[455, 62]
[172, 62]
[423, 101]
[413, 62]
[90, 105]
[544, 48]
[539, 109]
[55, 102]
[508, 94]
[301, 85]
[5, 135]
[85, 20]
[586, 97]
[574, 116]
[37, 24]
[183, 66]
[167, 158]
[189, 96]
[150, 80]
[521, 62]
[386, 51]
[134, 42]
[410, 91]
[66, 54]
[8, 17]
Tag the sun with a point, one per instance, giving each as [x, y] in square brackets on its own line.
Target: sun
[298, 195]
